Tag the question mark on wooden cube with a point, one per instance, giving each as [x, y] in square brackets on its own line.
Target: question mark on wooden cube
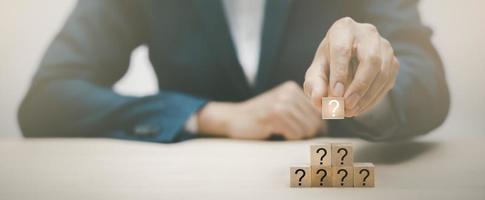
[364, 175]
[299, 177]
[321, 176]
[342, 154]
[333, 108]
[343, 176]
[321, 154]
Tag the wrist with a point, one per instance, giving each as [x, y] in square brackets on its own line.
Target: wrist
[213, 119]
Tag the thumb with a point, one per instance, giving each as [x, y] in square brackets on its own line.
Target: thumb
[315, 88]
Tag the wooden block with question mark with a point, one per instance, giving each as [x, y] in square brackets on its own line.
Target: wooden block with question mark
[300, 176]
[342, 154]
[320, 155]
[363, 175]
[343, 176]
[333, 108]
[321, 176]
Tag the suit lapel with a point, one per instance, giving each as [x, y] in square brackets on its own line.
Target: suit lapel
[219, 37]
[276, 13]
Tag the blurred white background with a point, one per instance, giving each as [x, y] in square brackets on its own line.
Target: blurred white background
[27, 27]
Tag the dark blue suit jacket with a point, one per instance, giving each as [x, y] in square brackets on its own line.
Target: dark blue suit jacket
[195, 61]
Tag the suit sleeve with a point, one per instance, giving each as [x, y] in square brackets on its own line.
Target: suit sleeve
[420, 100]
[71, 94]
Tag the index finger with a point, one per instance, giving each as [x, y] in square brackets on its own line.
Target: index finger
[316, 81]
[341, 39]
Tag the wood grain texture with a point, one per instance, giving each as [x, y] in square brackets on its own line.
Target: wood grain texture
[300, 176]
[364, 175]
[342, 154]
[321, 154]
[321, 176]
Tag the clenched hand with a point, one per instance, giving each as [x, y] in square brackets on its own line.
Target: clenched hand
[283, 110]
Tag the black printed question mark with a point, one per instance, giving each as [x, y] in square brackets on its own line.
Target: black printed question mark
[303, 171]
[367, 175]
[324, 175]
[324, 154]
[345, 154]
[343, 177]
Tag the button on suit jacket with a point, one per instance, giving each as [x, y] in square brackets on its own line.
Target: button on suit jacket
[194, 59]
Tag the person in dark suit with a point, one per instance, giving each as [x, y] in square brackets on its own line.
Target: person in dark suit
[376, 54]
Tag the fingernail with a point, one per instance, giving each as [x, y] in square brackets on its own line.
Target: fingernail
[338, 90]
[352, 100]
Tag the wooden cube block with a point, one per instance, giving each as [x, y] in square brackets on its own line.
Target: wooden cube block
[363, 175]
[342, 176]
[321, 176]
[342, 154]
[300, 176]
[333, 108]
[320, 155]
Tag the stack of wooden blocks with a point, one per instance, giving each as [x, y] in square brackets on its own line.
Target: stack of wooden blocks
[332, 166]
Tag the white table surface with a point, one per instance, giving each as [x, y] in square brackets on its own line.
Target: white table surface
[432, 167]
